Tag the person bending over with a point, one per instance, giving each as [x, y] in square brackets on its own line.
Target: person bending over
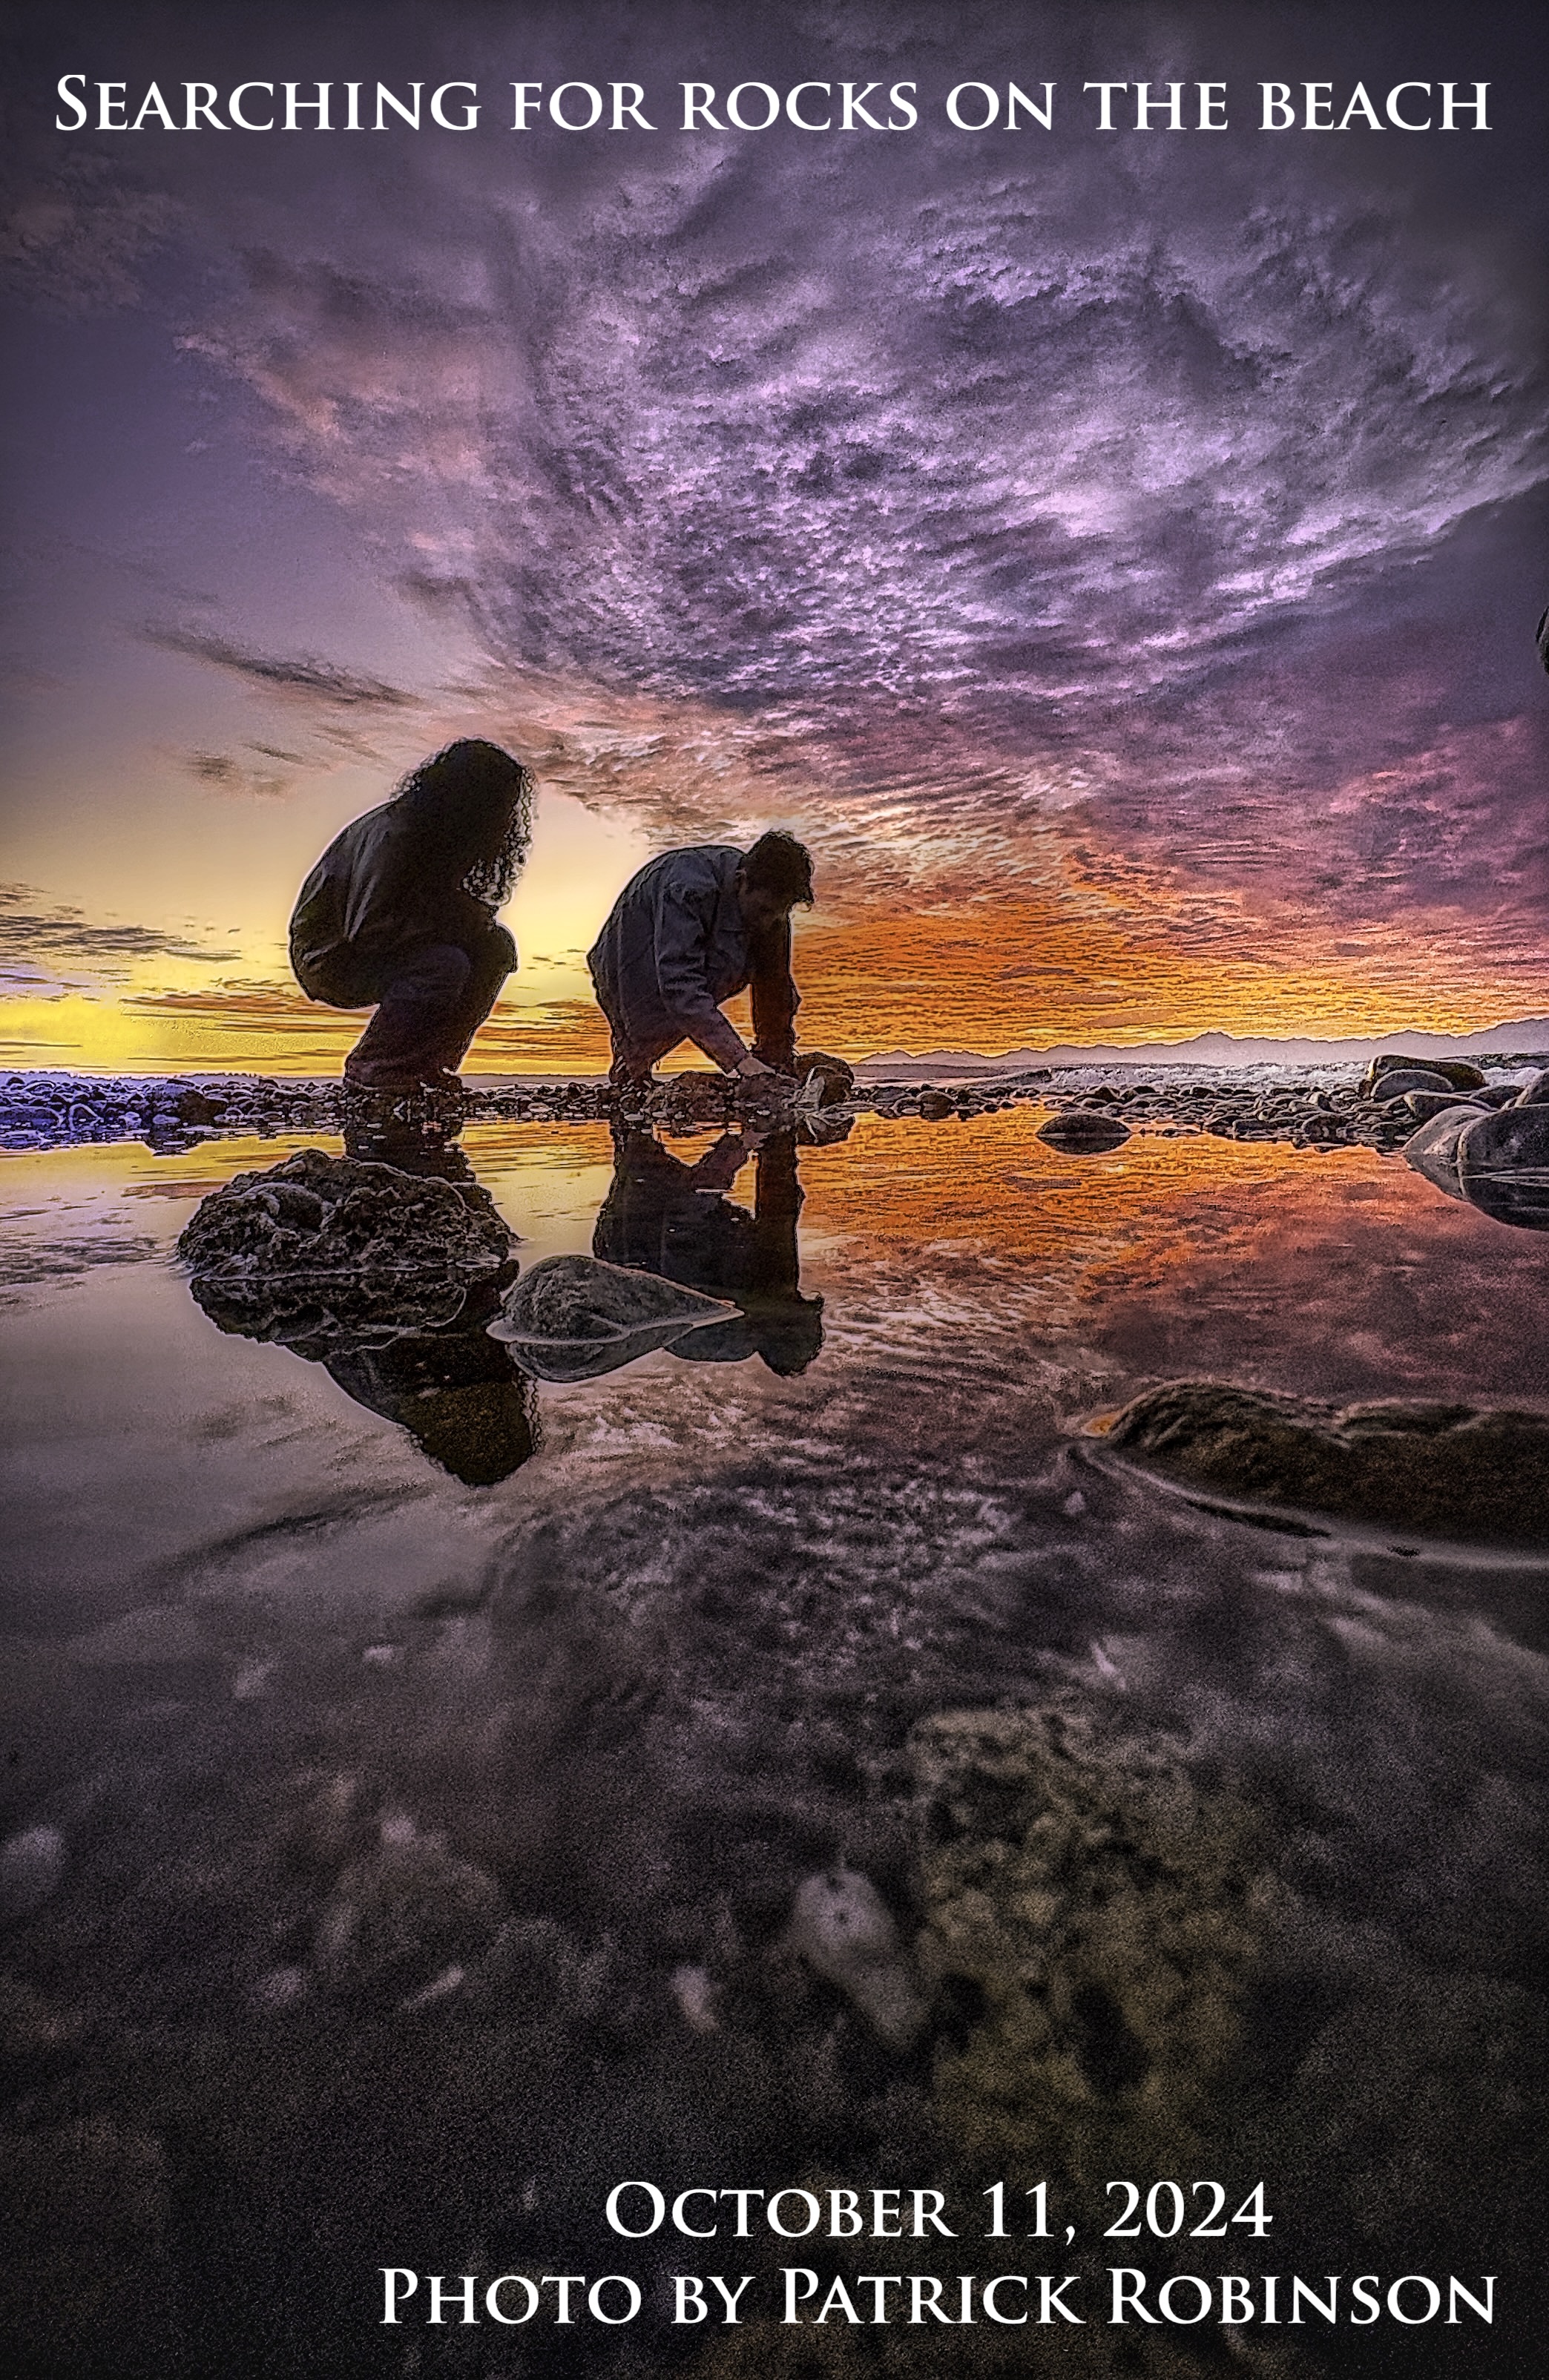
[399, 914]
[690, 930]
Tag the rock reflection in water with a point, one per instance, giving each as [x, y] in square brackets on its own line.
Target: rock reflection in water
[1497, 1160]
[387, 1274]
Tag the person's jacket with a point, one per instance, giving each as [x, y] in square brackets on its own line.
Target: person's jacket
[675, 946]
[372, 897]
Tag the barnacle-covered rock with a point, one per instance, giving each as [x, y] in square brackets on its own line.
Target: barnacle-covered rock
[325, 1249]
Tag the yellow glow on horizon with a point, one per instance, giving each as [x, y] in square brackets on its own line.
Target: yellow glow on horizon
[1025, 973]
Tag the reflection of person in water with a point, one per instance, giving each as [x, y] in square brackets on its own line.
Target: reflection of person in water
[690, 930]
[454, 1389]
[400, 912]
[456, 1392]
[664, 1217]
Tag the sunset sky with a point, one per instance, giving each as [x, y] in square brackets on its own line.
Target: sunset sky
[1117, 553]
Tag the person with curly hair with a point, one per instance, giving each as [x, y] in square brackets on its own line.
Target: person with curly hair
[399, 916]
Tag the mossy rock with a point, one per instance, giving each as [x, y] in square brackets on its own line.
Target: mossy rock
[1094, 1918]
[1453, 1473]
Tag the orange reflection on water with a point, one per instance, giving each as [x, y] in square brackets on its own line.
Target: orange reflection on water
[989, 1187]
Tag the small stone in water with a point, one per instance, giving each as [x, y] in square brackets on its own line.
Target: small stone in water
[840, 1927]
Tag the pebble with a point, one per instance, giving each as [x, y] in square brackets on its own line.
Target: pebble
[840, 1924]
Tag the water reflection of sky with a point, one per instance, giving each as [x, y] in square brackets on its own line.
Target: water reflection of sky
[1343, 1272]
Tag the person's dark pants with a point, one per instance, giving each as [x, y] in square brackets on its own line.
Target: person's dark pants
[430, 1001]
[775, 1002]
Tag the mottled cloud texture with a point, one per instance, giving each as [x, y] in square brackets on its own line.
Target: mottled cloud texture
[296, 674]
[41, 945]
[1151, 527]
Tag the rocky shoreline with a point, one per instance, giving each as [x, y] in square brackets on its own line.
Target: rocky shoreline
[1093, 1109]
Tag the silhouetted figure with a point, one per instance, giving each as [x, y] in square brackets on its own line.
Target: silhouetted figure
[664, 1217]
[692, 928]
[400, 913]
[456, 1393]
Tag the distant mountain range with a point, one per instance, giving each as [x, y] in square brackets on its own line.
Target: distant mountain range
[1529, 1037]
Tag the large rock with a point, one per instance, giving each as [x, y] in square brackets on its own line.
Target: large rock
[1418, 1471]
[834, 1079]
[1498, 1161]
[322, 1250]
[1432, 1150]
[1400, 1080]
[575, 1318]
[1454, 1074]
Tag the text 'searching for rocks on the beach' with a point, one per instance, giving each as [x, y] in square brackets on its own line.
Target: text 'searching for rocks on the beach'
[812, 105]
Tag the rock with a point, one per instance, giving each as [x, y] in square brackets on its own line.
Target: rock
[837, 1079]
[1391, 1061]
[1503, 1165]
[575, 1318]
[189, 1106]
[1398, 1080]
[1078, 1133]
[693, 1990]
[1455, 1074]
[840, 1924]
[1091, 1922]
[1432, 1150]
[32, 1867]
[935, 1106]
[323, 1249]
[1423, 1105]
[398, 1919]
[1536, 1093]
[1498, 1161]
[1419, 1471]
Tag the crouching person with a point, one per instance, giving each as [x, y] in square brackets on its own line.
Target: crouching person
[692, 928]
[399, 914]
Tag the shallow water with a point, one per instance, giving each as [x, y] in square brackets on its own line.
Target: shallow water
[404, 1863]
